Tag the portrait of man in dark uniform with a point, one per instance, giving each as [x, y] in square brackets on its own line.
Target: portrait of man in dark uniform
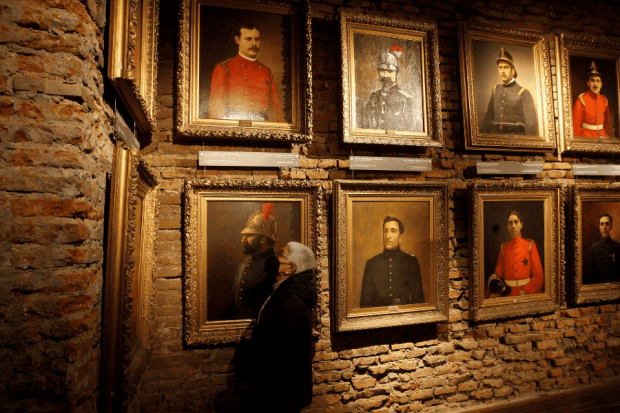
[392, 277]
[602, 264]
[390, 107]
[257, 238]
[511, 108]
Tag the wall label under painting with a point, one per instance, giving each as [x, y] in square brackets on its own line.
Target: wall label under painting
[262, 159]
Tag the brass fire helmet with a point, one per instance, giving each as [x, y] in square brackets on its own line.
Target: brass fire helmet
[388, 60]
[263, 222]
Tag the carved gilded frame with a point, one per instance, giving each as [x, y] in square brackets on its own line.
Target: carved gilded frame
[588, 201]
[308, 195]
[423, 33]
[132, 240]
[490, 204]
[399, 198]
[545, 139]
[191, 124]
[132, 57]
[568, 46]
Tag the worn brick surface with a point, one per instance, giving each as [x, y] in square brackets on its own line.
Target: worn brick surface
[55, 151]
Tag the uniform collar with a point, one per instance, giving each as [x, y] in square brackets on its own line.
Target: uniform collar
[512, 83]
[264, 254]
[592, 95]
[391, 252]
[250, 59]
[519, 238]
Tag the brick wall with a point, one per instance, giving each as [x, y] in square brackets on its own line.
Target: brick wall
[449, 365]
[55, 150]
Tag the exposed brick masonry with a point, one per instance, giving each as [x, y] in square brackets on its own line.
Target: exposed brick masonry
[445, 366]
[55, 150]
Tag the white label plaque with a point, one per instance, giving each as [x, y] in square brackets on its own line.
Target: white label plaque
[509, 168]
[125, 132]
[605, 170]
[389, 164]
[262, 159]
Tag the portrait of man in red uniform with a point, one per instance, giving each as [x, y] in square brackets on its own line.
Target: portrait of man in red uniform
[591, 115]
[518, 263]
[243, 87]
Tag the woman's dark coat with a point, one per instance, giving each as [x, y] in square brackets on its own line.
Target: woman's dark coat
[280, 349]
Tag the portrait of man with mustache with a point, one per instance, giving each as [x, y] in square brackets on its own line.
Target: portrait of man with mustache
[591, 118]
[243, 87]
[511, 109]
[390, 107]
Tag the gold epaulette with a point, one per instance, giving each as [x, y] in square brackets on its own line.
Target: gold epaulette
[531, 243]
[224, 65]
[581, 99]
[501, 249]
[522, 91]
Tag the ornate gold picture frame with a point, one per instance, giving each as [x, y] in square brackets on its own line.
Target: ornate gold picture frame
[506, 109]
[390, 254]
[589, 119]
[239, 82]
[223, 262]
[595, 275]
[132, 238]
[132, 57]
[517, 261]
[390, 81]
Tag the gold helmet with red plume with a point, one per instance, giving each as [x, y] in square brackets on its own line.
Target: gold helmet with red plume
[263, 222]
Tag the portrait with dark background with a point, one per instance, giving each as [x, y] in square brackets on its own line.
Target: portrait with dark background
[590, 232]
[218, 28]
[579, 68]
[225, 220]
[366, 50]
[486, 75]
[496, 230]
[367, 223]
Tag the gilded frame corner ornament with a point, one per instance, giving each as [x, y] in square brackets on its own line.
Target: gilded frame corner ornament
[132, 57]
[199, 195]
[591, 194]
[545, 138]
[191, 124]
[357, 127]
[544, 200]
[567, 46]
[348, 311]
[132, 239]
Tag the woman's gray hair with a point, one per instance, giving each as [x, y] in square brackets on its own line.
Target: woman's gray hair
[301, 256]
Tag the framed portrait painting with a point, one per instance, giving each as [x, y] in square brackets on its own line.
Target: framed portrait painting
[245, 70]
[595, 247]
[390, 262]
[390, 78]
[132, 235]
[589, 85]
[506, 89]
[232, 228]
[132, 57]
[517, 244]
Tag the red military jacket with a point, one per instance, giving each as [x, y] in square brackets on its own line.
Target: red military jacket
[240, 85]
[518, 259]
[592, 111]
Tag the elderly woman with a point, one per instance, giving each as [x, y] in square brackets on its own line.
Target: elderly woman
[280, 348]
